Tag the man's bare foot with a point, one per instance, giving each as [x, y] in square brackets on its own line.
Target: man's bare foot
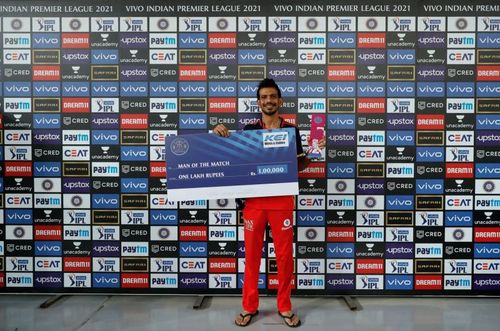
[245, 317]
[290, 319]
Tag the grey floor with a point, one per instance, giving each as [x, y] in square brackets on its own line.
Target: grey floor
[83, 313]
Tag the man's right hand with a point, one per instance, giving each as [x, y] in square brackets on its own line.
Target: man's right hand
[221, 130]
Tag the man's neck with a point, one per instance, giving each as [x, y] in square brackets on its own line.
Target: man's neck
[271, 122]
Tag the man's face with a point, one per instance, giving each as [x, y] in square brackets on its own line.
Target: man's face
[269, 101]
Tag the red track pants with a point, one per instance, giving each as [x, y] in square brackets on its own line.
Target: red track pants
[281, 222]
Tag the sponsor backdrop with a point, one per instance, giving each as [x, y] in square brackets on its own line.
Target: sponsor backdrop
[405, 200]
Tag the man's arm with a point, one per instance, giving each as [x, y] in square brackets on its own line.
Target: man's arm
[303, 161]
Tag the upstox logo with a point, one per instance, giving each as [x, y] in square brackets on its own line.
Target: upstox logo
[275, 139]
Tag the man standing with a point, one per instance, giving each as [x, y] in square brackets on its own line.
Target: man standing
[277, 211]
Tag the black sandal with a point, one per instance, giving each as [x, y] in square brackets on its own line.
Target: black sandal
[290, 318]
[252, 315]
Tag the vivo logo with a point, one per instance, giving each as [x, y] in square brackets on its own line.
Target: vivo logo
[399, 282]
[106, 89]
[135, 153]
[106, 201]
[164, 89]
[341, 89]
[342, 170]
[45, 169]
[47, 248]
[17, 89]
[378, 89]
[428, 186]
[459, 89]
[400, 202]
[487, 121]
[18, 217]
[287, 89]
[339, 121]
[199, 89]
[191, 249]
[488, 170]
[249, 89]
[401, 138]
[309, 218]
[428, 154]
[44, 120]
[345, 250]
[190, 40]
[46, 89]
[489, 40]
[225, 89]
[193, 121]
[435, 89]
[45, 41]
[312, 89]
[78, 89]
[135, 89]
[487, 250]
[457, 218]
[341, 40]
[106, 137]
[162, 217]
[399, 89]
[399, 56]
[105, 280]
[250, 56]
[490, 89]
[135, 185]
[101, 56]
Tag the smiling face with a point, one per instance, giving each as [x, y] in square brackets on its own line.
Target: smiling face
[269, 101]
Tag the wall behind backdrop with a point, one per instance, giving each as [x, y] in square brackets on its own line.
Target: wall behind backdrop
[405, 201]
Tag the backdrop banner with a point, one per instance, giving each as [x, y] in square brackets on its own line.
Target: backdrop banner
[405, 199]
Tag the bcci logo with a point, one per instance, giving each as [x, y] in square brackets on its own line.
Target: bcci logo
[179, 146]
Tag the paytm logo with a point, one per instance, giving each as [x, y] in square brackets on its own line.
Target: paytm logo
[369, 234]
[105, 169]
[220, 233]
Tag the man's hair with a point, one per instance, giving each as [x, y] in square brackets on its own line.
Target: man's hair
[268, 82]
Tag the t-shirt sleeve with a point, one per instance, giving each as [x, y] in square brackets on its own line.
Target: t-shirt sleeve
[300, 150]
